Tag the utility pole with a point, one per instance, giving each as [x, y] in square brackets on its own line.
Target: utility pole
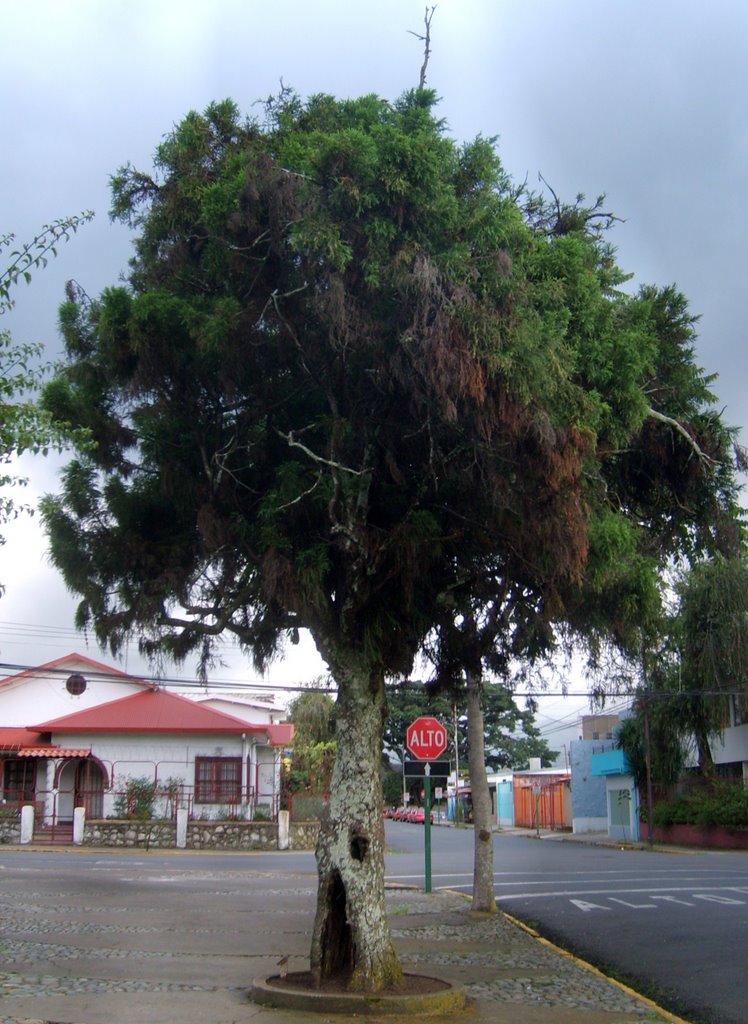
[647, 751]
[458, 806]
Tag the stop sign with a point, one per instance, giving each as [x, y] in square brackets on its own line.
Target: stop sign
[426, 738]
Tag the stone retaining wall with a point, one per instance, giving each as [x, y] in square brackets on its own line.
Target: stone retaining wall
[10, 829]
[201, 835]
[157, 835]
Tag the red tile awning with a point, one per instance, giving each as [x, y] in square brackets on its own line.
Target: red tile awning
[280, 735]
[19, 742]
[52, 752]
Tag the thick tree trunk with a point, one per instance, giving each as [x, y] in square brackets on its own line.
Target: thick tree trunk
[351, 940]
[483, 894]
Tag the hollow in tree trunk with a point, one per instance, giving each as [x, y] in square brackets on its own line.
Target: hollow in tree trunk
[351, 941]
[483, 894]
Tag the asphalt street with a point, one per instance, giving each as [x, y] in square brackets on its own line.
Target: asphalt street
[93, 937]
[673, 925]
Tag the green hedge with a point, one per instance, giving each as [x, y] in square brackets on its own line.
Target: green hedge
[725, 805]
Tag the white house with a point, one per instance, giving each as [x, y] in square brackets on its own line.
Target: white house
[730, 749]
[75, 733]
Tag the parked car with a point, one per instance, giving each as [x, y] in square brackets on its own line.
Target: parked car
[419, 817]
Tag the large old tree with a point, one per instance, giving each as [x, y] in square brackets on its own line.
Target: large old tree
[351, 371]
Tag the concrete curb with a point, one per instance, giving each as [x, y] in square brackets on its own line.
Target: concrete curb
[665, 1014]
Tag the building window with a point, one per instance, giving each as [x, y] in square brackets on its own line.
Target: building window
[218, 780]
[740, 708]
[76, 684]
[19, 780]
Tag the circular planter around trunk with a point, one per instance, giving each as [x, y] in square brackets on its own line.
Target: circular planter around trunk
[428, 996]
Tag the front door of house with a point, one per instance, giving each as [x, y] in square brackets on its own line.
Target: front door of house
[89, 788]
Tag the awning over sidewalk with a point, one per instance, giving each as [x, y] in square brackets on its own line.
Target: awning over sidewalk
[17, 742]
[53, 752]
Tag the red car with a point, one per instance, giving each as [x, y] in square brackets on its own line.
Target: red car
[419, 816]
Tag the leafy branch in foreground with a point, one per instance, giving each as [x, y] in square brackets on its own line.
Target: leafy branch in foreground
[24, 425]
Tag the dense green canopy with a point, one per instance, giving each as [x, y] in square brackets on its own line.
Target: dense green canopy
[352, 367]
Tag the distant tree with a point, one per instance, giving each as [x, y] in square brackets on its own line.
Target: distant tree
[313, 751]
[313, 717]
[355, 372]
[24, 426]
[511, 735]
[711, 630]
[668, 739]
[392, 786]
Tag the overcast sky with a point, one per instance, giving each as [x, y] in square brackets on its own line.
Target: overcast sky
[645, 100]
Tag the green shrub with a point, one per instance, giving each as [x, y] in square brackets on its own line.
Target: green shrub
[725, 805]
[137, 799]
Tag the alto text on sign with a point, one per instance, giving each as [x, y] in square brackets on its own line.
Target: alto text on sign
[426, 738]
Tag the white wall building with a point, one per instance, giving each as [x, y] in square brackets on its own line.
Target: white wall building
[77, 733]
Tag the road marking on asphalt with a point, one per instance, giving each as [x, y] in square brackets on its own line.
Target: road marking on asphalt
[581, 893]
[585, 906]
[621, 877]
[634, 906]
[716, 898]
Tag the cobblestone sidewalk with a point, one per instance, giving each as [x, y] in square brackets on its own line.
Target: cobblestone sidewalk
[195, 940]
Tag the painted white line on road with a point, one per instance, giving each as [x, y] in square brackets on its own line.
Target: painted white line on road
[716, 898]
[407, 878]
[503, 897]
[652, 883]
[634, 906]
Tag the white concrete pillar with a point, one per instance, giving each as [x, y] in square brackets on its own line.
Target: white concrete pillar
[284, 818]
[181, 828]
[49, 792]
[27, 823]
[79, 825]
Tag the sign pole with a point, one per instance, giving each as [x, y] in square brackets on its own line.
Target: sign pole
[427, 826]
[426, 739]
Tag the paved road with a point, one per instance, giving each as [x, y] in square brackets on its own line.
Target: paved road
[675, 925]
[97, 938]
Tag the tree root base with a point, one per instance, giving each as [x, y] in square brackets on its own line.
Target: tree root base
[415, 994]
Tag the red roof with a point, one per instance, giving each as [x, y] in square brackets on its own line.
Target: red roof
[280, 735]
[59, 663]
[25, 743]
[149, 711]
[15, 738]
